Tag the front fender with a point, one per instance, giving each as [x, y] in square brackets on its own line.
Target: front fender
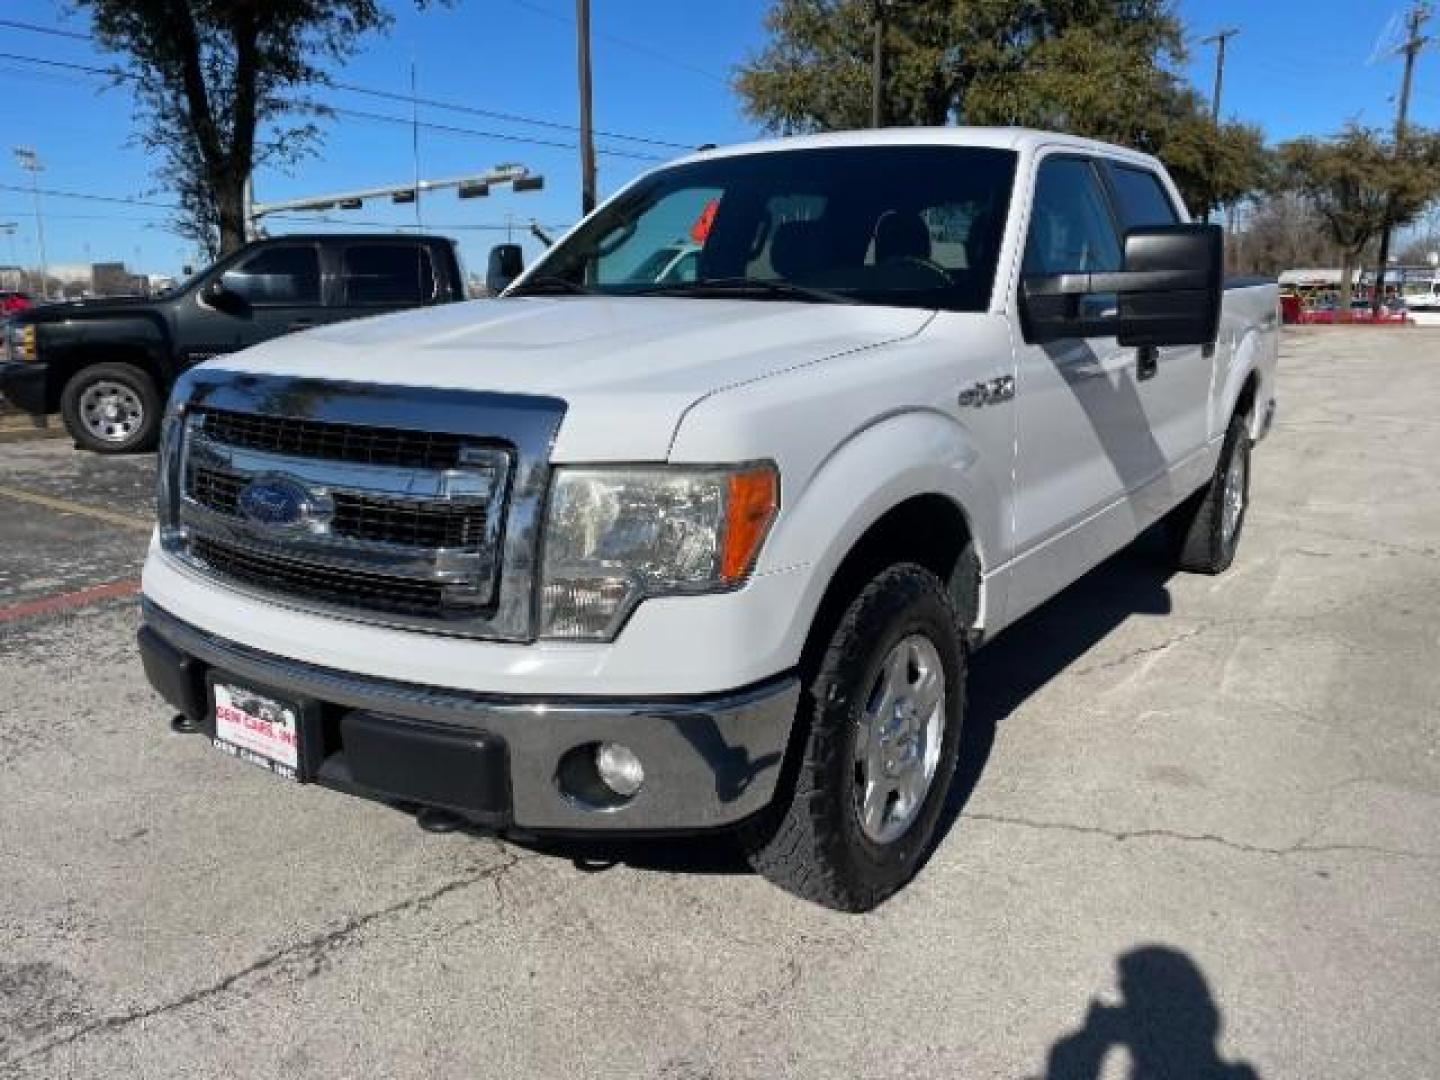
[897, 458]
[75, 342]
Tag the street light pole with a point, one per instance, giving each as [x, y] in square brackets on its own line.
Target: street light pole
[30, 162]
[8, 228]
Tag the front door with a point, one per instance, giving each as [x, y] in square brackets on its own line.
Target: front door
[275, 290]
[1084, 436]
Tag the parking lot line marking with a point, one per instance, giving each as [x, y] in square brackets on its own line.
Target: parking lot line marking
[65, 506]
[46, 605]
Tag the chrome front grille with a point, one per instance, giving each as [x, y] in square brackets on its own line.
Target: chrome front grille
[398, 505]
[306, 579]
[375, 519]
[330, 441]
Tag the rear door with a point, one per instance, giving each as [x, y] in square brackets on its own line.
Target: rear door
[376, 276]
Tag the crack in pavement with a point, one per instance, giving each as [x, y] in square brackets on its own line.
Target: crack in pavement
[1300, 847]
[1144, 650]
[314, 948]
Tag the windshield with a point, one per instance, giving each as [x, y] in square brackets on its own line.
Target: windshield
[913, 226]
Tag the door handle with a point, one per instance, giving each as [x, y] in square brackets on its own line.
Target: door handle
[1147, 362]
[302, 324]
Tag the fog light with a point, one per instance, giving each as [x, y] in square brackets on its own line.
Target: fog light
[619, 768]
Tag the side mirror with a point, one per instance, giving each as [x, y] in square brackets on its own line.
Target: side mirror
[218, 295]
[1168, 292]
[507, 262]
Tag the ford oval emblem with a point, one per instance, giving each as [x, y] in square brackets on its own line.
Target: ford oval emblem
[277, 501]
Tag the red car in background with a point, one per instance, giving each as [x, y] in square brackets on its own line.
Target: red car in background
[14, 300]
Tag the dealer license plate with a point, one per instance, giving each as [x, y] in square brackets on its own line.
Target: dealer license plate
[257, 729]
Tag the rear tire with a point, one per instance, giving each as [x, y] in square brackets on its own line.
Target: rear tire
[112, 409]
[1206, 528]
[883, 713]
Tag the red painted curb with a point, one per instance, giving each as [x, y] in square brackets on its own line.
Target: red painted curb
[46, 605]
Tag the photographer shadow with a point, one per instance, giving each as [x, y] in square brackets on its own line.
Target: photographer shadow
[1167, 1023]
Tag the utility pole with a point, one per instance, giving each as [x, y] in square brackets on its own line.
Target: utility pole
[587, 126]
[877, 66]
[1414, 42]
[1218, 39]
[28, 160]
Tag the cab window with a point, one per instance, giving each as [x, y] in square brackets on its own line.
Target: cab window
[1071, 231]
[1140, 198]
[387, 274]
[288, 274]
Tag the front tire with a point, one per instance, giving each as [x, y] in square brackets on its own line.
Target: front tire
[112, 409]
[885, 712]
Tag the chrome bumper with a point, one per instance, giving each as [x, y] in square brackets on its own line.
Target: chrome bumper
[709, 762]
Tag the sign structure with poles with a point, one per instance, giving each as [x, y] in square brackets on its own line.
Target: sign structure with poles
[518, 177]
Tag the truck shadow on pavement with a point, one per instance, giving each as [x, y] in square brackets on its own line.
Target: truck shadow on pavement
[1037, 649]
[1002, 676]
[1167, 1023]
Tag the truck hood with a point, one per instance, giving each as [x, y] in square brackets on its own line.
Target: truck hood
[628, 367]
[60, 310]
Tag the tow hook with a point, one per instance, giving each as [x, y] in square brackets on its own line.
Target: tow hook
[433, 819]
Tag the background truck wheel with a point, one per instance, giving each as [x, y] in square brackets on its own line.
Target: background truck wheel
[886, 707]
[1206, 529]
[112, 409]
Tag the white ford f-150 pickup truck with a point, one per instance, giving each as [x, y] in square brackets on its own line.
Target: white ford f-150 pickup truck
[619, 553]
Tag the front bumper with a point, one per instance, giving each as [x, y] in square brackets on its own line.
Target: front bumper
[26, 385]
[709, 762]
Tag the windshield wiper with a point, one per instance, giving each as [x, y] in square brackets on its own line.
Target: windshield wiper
[549, 285]
[744, 286]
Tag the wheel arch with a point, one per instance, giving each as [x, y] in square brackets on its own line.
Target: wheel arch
[1243, 386]
[912, 488]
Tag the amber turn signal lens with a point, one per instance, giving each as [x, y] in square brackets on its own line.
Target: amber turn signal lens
[752, 498]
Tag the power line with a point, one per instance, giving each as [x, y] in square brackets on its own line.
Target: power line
[53, 31]
[433, 103]
[453, 129]
[655, 54]
[337, 110]
[493, 114]
[52, 193]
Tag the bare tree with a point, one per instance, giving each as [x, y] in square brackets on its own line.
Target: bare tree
[217, 81]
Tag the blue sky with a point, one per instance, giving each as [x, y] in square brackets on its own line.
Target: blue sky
[661, 71]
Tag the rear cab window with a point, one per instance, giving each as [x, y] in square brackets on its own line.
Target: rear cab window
[386, 274]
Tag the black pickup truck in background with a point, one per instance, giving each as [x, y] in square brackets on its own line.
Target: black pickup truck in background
[107, 365]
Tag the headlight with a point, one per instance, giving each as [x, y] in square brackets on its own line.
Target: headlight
[19, 341]
[616, 536]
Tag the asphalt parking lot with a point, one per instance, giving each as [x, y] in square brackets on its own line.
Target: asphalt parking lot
[1197, 821]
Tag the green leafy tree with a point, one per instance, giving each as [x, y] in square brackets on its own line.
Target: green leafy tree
[1358, 178]
[1102, 68]
[217, 82]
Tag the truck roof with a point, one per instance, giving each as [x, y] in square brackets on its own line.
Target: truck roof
[347, 237]
[1000, 138]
